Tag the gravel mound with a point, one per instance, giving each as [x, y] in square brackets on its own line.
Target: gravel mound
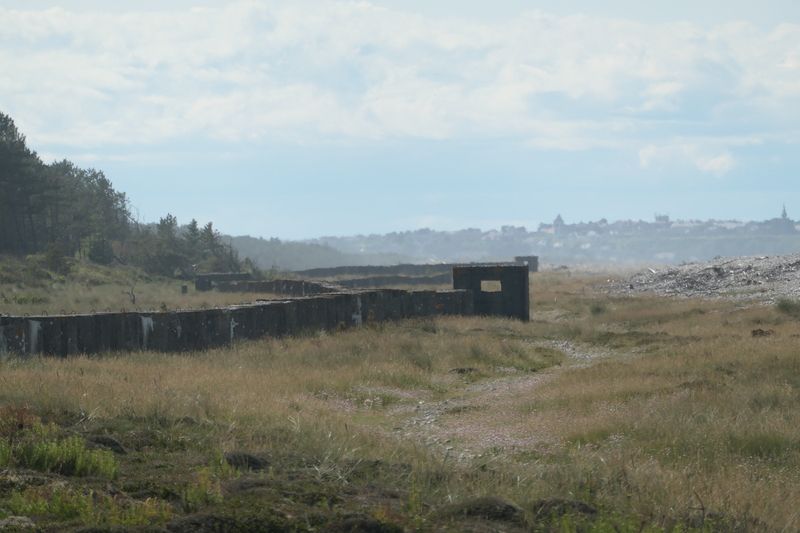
[758, 278]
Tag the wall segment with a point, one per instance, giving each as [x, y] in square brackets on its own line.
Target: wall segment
[201, 329]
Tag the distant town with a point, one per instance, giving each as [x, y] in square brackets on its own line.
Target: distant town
[661, 240]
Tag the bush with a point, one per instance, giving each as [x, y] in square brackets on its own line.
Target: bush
[55, 259]
[101, 252]
[788, 307]
[597, 308]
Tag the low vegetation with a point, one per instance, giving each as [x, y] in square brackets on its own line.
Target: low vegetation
[29, 286]
[604, 413]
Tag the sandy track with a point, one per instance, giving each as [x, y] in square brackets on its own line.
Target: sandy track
[485, 418]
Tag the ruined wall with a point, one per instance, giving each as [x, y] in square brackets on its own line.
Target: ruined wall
[289, 287]
[298, 287]
[206, 282]
[202, 329]
[512, 300]
[390, 270]
[384, 281]
[532, 261]
[197, 330]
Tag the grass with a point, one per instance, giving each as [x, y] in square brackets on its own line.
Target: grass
[39, 447]
[26, 287]
[788, 307]
[66, 505]
[661, 415]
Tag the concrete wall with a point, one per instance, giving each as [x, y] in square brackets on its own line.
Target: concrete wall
[206, 282]
[512, 300]
[390, 270]
[202, 329]
[289, 287]
[384, 281]
[531, 260]
[196, 330]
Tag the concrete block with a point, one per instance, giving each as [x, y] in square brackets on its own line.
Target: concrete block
[513, 299]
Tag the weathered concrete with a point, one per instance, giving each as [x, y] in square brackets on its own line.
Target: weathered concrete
[206, 282]
[390, 270]
[512, 300]
[197, 330]
[384, 281]
[532, 261]
[289, 287]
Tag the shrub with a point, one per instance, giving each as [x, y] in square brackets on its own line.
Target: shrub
[597, 308]
[55, 259]
[101, 252]
[788, 307]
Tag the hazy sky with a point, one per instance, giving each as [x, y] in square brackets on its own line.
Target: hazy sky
[298, 119]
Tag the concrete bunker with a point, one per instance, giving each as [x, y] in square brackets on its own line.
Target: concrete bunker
[531, 261]
[512, 298]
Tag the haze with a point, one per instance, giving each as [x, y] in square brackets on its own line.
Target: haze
[301, 119]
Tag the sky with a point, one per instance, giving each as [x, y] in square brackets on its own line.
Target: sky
[298, 119]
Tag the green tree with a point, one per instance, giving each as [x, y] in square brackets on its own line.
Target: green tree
[193, 240]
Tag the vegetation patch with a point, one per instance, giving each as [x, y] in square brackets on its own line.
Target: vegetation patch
[40, 447]
[788, 307]
[63, 504]
[686, 423]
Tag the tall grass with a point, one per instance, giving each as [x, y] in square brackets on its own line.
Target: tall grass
[39, 447]
[682, 420]
[90, 508]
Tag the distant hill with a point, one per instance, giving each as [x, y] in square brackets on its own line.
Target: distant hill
[292, 255]
[627, 241]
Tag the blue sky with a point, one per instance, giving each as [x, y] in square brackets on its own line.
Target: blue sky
[300, 119]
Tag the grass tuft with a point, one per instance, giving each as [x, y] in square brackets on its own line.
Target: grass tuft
[39, 448]
[89, 507]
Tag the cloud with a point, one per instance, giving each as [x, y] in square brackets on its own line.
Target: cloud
[703, 157]
[266, 71]
[718, 164]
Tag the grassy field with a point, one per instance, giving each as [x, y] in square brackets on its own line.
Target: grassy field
[602, 414]
[28, 287]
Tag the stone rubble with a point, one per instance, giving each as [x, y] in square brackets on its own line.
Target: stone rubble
[762, 278]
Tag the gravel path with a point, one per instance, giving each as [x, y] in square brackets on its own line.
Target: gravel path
[485, 418]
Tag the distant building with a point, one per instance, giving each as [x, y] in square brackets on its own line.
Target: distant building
[558, 224]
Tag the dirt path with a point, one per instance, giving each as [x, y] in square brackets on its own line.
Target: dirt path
[485, 418]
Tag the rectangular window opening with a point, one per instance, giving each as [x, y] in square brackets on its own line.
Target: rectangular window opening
[491, 285]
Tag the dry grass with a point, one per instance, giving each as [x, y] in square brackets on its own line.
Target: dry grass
[683, 419]
[694, 415]
[67, 298]
[26, 288]
[299, 374]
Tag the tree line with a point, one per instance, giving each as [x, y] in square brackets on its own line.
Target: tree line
[64, 211]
